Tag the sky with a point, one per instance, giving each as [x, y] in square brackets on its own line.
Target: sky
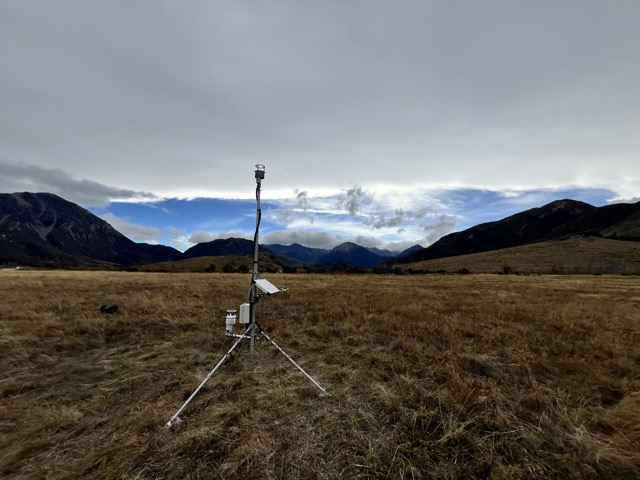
[386, 123]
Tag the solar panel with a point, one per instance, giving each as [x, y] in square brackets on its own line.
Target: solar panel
[266, 286]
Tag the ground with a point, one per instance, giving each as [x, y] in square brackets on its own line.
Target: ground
[429, 376]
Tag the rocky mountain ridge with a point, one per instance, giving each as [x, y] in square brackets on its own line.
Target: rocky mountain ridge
[42, 229]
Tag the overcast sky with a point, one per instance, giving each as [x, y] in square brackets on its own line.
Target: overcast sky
[391, 122]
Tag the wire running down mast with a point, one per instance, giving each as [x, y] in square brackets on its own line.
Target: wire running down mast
[253, 295]
[259, 287]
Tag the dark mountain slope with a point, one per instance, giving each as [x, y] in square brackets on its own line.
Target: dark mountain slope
[44, 229]
[221, 247]
[522, 228]
[415, 248]
[620, 221]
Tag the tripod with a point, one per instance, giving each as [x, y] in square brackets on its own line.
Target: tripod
[248, 316]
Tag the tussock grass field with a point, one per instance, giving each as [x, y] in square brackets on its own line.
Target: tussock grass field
[438, 376]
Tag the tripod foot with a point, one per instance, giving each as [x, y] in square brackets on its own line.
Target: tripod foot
[172, 422]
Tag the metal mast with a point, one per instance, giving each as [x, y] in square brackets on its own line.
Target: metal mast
[253, 295]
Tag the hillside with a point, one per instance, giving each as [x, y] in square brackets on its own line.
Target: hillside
[569, 255]
[555, 220]
[619, 221]
[42, 229]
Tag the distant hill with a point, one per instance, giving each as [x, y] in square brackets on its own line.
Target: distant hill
[221, 247]
[557, 219]
[42, 229]
[343, 256]
[569, 255]
[350, 253]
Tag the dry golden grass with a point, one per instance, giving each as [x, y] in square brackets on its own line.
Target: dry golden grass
[572, 255]
[466, 376]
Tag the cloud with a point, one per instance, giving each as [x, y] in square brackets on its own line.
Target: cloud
[360, 215]
[626, 200]
[497, 95]
[133, 231]
[369, 241]
[442, 225]
[294, 210]
[375, 242]
[202, 236]
[303, 199]
[17, 177]
[398, 217]
[352, 200]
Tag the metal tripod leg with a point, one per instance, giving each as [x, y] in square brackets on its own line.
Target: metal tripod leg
[176, 418]
[323, 392]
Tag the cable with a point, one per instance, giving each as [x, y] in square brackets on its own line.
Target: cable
[259, 214]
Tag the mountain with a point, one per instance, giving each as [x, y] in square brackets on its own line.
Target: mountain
[42, 229]
[350, 253]
[221, 247]
[343, 256]
[558, 219]
[618, 221]
[296, 255]
[576, 254]
[409, 250]
[382, 253]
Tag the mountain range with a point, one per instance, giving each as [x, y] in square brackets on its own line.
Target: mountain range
[556, 220]
[42, 229]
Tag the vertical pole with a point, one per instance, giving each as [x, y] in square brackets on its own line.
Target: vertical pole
[253, 300]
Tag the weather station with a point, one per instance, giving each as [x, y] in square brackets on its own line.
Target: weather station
[246, 315]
